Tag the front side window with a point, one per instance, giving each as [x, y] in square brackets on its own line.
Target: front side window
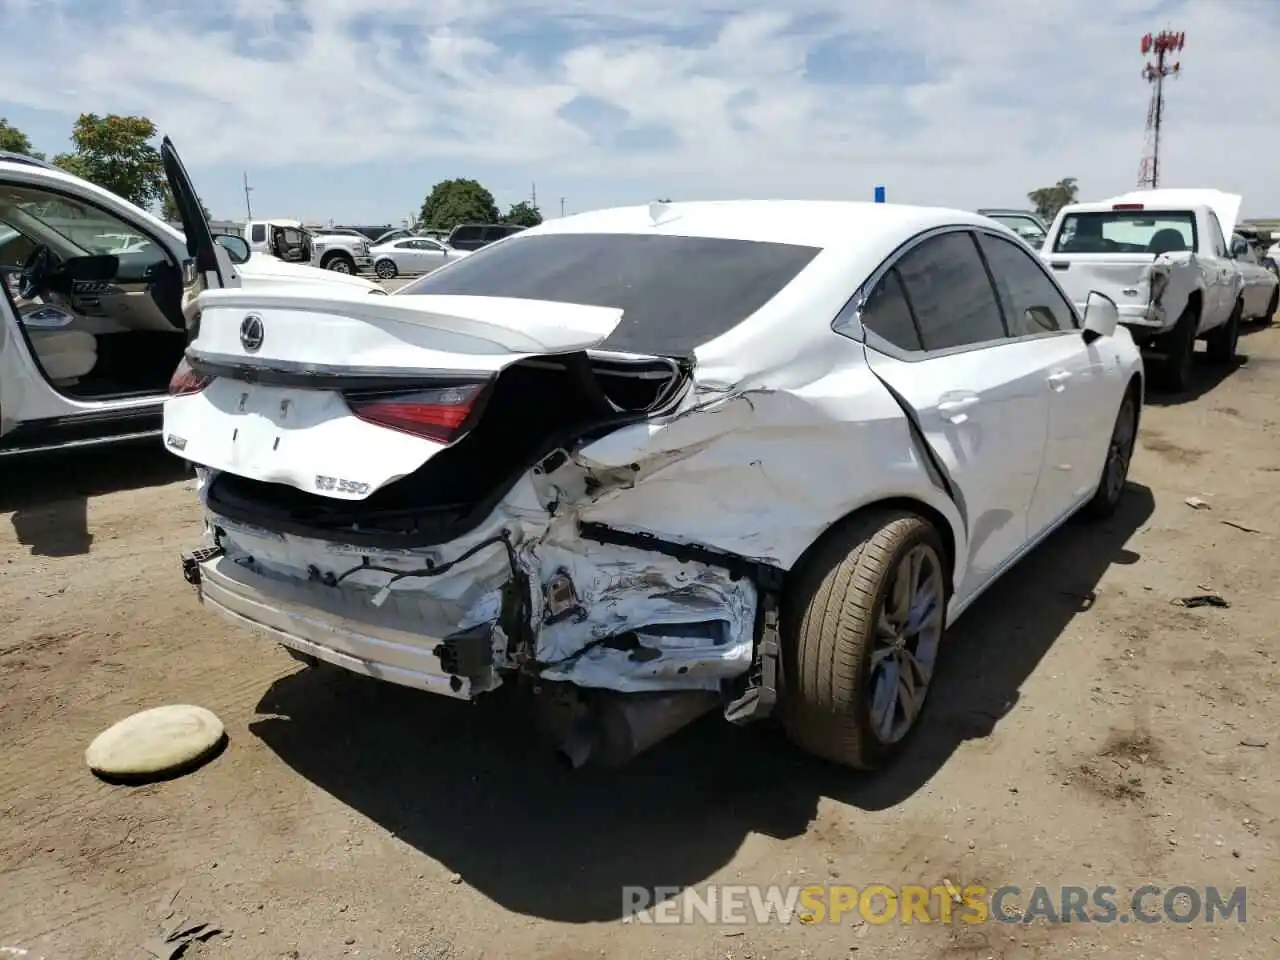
[950, 294]
[1032, 303]
[676, 293]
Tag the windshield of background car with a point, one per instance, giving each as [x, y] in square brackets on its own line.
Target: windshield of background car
[1123, 231]
[676, 293]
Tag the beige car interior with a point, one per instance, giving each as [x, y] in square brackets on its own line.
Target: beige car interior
[65, 332]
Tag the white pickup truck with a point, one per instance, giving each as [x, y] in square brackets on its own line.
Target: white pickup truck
[289, 240]
[1162, 256]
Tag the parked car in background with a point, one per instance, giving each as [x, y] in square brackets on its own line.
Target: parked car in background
[390, 235]
[1162, 255]
[95, 305]
[1261, 290]
[370, 233]
[473, 236]
[411, 256]
[1024, 223]
[658, 461]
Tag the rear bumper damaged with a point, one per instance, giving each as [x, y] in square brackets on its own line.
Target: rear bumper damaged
[513, 597]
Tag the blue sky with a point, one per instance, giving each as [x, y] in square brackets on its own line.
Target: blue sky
[352, 109]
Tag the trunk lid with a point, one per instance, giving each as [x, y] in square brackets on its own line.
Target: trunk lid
[339, 394]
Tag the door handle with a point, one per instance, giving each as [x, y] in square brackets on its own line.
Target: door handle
[954, 405]
[1058, 379]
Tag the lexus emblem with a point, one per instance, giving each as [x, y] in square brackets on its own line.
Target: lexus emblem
[251, 333]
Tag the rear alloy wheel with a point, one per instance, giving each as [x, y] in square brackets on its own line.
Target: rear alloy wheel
[1115, 471]
[385, 269]
[1221, 343]
[863, 626]
[1179, 347]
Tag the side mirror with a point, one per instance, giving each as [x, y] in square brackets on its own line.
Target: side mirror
[1239, 247]
[237, 247]
[1040, 318]
[1101, 316]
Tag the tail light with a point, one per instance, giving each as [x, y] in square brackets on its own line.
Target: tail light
[186, 381]
[437, 414]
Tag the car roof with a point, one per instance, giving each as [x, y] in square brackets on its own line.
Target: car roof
[826, 224]
[9, 156]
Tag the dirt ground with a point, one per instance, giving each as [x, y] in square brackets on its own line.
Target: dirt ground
[1085, 730]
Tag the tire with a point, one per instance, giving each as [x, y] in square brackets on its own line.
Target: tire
[1221, 343]
[385, 269]
[831, 610]
[1174, 371]
[1115, 470]
[340, 263]
[1272, 305]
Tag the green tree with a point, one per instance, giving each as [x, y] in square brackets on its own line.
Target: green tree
[169, 207]
[1049, 200]
[115, 152]
[452, 202]
[523, 214]
[15, 141]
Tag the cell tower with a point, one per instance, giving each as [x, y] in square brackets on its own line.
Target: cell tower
[1161, 46]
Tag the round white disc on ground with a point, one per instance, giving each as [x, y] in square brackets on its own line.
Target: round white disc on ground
[155, 742]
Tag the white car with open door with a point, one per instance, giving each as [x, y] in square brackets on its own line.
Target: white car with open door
[657, 460]
[92, 319]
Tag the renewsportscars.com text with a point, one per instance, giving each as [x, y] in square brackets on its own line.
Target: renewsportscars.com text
[945, 903]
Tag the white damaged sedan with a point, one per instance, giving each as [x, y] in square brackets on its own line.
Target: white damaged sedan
[654, 461]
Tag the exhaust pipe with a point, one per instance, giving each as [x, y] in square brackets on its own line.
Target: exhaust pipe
[614, 728]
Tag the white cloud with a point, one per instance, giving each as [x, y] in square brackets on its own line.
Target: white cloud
[1000, 97]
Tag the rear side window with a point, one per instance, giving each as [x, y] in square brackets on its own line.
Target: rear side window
[950, 293]
[467, 233]
[887, 314]
[676, 293]
[258, 233]
[1032, 304]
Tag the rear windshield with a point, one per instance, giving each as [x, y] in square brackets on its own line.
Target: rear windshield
[1127, 231]
[676, 293]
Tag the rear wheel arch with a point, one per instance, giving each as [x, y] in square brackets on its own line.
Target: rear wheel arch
[936, 517]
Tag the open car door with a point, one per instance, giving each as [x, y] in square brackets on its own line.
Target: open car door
[209, 266]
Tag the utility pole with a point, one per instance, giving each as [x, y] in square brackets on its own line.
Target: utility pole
[248, 207]
[533, 195]
[562, 206]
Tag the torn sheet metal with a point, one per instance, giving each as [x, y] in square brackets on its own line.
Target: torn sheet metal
[644, 621]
